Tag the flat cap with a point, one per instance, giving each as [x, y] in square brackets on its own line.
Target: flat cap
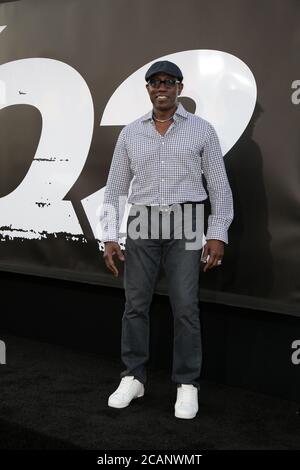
[166, 67]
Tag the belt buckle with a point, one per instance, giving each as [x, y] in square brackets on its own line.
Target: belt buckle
[164, 208]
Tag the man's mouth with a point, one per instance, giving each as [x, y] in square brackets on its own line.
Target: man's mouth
[161, 97]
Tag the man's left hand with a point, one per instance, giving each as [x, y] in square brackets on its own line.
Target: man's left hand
[213, 252]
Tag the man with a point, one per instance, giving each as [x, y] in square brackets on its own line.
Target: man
[165, 153]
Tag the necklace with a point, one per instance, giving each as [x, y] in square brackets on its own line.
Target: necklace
[162, 120]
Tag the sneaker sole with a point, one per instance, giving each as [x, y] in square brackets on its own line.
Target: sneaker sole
[182, 416]
[111, 405]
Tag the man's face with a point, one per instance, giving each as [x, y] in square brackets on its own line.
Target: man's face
[164, 97]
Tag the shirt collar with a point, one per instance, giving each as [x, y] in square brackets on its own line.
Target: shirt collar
[180, 111]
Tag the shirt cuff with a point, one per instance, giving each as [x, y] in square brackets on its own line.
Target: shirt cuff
[217, 232]
[107, 238]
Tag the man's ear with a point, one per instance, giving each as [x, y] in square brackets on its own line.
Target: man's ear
[180, 88]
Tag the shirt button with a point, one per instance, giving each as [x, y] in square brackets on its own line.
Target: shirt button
[163, 179]
[162, 161]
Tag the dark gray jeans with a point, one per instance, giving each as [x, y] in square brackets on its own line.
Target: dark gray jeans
[142, 263]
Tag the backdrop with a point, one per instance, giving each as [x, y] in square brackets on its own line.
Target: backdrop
[71, 76]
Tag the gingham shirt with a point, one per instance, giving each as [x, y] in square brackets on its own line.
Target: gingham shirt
[167, 169]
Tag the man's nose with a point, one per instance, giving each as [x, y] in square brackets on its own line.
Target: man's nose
[162, 86]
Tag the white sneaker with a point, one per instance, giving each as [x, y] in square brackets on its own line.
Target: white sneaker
[186, 405]
[128, 389]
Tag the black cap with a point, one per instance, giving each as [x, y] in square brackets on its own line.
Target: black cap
[166, 67]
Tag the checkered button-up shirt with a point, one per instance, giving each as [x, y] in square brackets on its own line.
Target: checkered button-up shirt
[167, 169]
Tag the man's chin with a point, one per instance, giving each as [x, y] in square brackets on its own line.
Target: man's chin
[163, 106]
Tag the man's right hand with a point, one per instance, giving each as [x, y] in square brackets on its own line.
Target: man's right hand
[111, 249]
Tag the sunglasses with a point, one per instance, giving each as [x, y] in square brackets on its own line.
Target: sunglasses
[169, 82]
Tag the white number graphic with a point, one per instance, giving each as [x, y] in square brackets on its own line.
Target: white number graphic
[221, 85]
[36, 207]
